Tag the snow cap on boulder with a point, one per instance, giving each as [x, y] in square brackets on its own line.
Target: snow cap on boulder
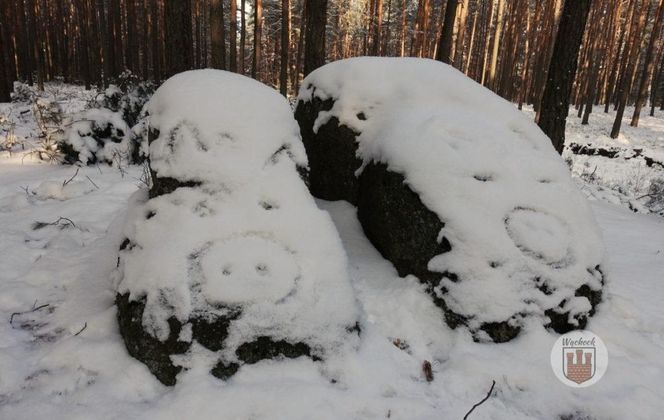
[457, 187]
[230, 250]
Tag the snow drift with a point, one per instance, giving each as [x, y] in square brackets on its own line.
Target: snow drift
[457, 187]
[228, 249]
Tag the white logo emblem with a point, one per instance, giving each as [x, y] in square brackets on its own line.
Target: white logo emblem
[579, 359]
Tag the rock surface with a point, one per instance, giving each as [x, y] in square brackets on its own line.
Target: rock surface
[227, 250]
[455, 186]
[332, 153]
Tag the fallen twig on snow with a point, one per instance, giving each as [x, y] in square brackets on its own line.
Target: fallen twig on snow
[92, 182]
[488, 394]
[35, 308]
[67, 222]
[64, 183]
[82, 329]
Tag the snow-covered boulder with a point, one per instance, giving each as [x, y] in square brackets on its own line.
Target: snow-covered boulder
[97, 135]
[457, 187]
[228, 249]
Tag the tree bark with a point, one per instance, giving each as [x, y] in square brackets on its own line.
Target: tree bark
[496, 45]
[377, 27]
[648, 66]
[285, 47]
[562, 70]
[656, 84]
[156, 39]
[444, 52]
[299, 58]
[597, 46]
[243, 34]
[4, 80]
[258, 30]
[458, 49]
[630, 65]
[179, 45]
[471, 44]
[402, 33]
[217, 38]
[232, 36]
[84, 42]
[314, 48]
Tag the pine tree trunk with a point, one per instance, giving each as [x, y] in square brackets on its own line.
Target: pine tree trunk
[471, 44]
[132, 37]
[7, 63]
[300, 46]
[243, 35]
[116, 14]
[217, 38]
[648, 66]
[258, 30]
[444, 52]
[655, 88]
[28, 66]
[107, 45]
[179, 45]
[562, 69]
[482, 66]
[285, 47]
[630, 65]
[4, 79]
[496, 45]
[145, 44]
[386, 37]
[461, 37]
[314, 48]
[376, 27]
[156, 39]
[594, 62]
[402, 34]
[232, 36]
[526, 59]
[84, 42]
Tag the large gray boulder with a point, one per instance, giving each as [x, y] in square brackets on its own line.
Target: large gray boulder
[455, 186]
[227, 253]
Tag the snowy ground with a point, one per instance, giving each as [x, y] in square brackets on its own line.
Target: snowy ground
[67, 360]
[621, 181]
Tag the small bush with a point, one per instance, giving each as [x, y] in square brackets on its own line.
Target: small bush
[97, 135]
[127, 96]
[22, 93]
[656, 196]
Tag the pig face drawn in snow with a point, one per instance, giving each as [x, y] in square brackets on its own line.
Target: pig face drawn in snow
[247, 269]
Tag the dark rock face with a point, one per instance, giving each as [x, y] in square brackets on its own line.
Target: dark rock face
[332, 153]
[210, 332]
[166, 185]
[560, 320]
[405, 232]
[396, 222]
[143, 346]
[260, 349]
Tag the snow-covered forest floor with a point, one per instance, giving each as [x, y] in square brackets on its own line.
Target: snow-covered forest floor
[61, 355]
